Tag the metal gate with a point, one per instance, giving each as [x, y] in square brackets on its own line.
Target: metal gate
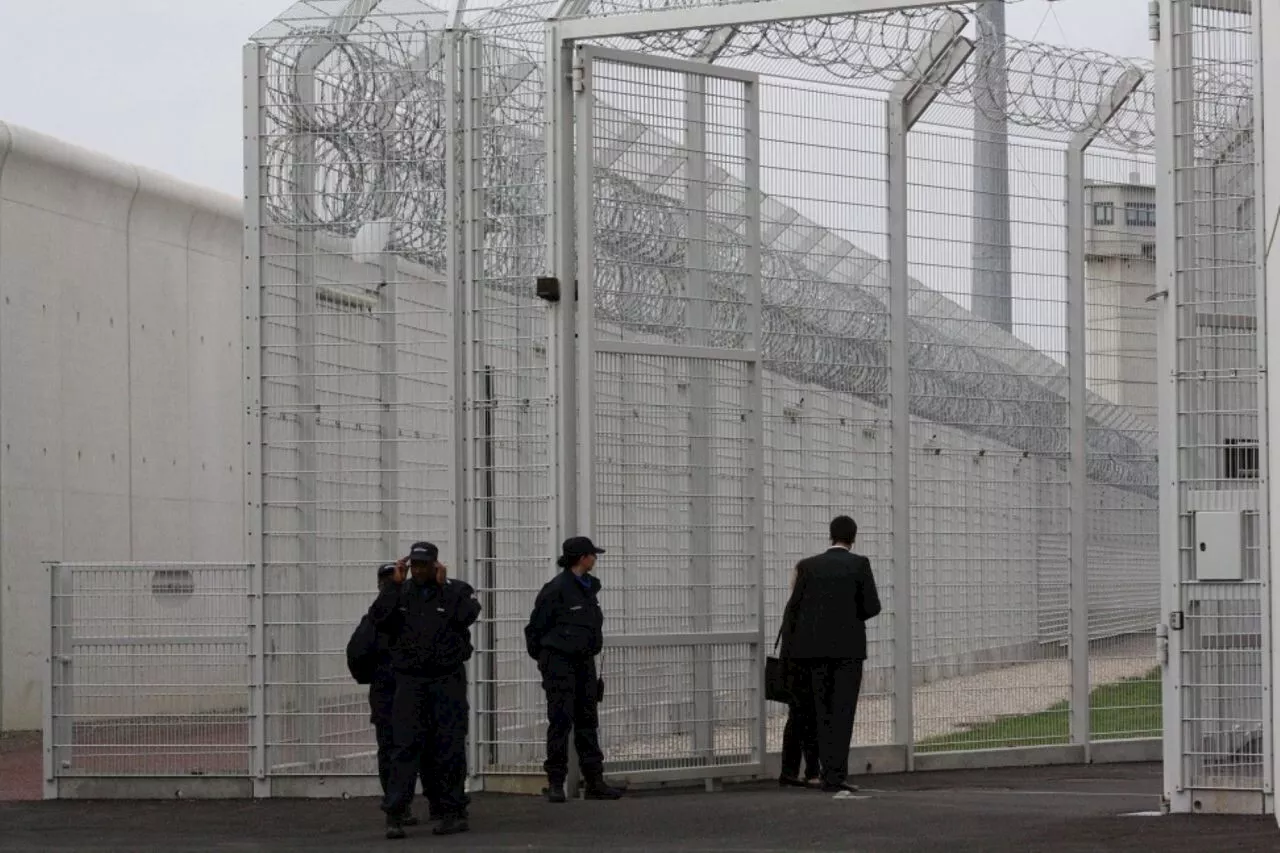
[1214, 539]
[669, 415]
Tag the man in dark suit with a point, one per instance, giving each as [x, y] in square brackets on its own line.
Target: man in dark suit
[824, 639]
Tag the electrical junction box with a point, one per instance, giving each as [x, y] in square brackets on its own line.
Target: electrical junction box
[1219, 546]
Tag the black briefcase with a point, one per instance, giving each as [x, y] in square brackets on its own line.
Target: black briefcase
[777, 686]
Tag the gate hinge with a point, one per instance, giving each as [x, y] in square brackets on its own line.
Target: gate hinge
[579, 77]
[1153, 20]
[1175, 620]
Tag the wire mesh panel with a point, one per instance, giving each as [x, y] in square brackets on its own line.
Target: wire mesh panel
[672, 403]
[510, 502]
[150, 670]
[989, 467]
[358, 390]
[1123, 524]
[1223, 647]
[827, 426]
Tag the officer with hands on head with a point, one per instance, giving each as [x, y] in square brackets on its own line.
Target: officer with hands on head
[429, 616]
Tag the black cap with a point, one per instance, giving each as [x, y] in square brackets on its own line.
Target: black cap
[423, 552]
[386, 570]
[577, 547]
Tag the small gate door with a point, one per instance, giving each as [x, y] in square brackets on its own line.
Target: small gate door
[670, 406]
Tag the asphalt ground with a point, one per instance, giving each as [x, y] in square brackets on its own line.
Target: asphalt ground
[1035, 810]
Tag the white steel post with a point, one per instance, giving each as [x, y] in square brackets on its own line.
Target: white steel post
[754, 237]
[563, 354]
[700, 401]
[53, 685]
[562, 349]
[1174, 126]
[900, 426]
[582, 119]
[251, 360]
[466, 345]
[1077, 377]
[1266, 114]
[934, 65]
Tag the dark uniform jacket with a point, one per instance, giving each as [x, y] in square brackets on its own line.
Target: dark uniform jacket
[566, 618]
[428, 626]
[834, 597]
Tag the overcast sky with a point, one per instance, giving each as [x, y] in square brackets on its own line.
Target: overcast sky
[157, 82]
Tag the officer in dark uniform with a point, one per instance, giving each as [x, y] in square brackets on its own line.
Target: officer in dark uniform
[564, 635]
[429, 617]
[382, 691]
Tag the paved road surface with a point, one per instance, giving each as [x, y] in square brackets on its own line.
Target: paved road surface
[1073, 810]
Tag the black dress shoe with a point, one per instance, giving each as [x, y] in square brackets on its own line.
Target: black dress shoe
[395, 827]
[843, 786]
[791, 782]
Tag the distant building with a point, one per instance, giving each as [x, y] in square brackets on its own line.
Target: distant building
[1120, 253]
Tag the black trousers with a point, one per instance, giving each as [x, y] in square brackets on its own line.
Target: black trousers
[800, 737]
[429, 718]
[382, 693]
[834, 684]
[571, 685]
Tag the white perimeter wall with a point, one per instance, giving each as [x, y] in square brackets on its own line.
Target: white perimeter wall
[120, 417]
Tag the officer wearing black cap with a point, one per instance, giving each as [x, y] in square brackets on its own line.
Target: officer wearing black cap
[564, 635]
[428, 617]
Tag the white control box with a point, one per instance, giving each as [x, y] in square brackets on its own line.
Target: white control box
[1219, 546]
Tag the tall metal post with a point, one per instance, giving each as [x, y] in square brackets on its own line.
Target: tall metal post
[900, 427]
[1175, 127]
[697, 314]
[1266, 115]
[476, 423]
[992, 264]
[251, 373]
[306, 305]
[754, 238]
[934, 65]
[389, 401]
[561, 221]
[1077, 397]
[562, 349]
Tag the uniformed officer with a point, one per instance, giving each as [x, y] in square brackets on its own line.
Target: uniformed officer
[382, 691]
[564, 635]
[429, 617]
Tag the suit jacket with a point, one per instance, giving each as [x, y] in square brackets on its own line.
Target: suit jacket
[834, 598]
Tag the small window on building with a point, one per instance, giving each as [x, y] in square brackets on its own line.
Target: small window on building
[1140, 214]
[1104, 213]
[1240, 459]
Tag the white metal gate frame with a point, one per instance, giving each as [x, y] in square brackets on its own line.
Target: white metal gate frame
[589, 345]
[1177, 99]
[568, 41]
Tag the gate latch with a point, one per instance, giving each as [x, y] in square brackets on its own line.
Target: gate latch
[1175, 620]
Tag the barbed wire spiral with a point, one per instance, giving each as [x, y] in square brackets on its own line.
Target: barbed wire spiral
[361, 137]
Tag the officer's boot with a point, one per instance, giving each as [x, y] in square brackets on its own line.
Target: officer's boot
[451, 825]
[555, 791]
[597, 788]
[395, 827]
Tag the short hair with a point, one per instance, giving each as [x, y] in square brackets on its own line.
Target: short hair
[844, 530]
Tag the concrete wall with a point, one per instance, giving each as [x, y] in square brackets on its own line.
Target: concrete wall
[120, 418]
